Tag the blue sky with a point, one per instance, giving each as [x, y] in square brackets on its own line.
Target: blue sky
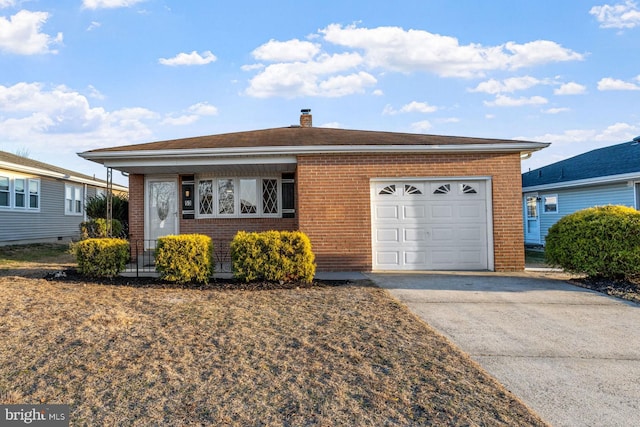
[77, 75]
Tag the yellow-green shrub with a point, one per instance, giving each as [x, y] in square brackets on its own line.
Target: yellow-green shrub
[280, 256]
[101, 257]
[185, 258]
[603, 241]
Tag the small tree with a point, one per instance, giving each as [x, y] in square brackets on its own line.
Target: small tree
[96, 207]
[603, 241]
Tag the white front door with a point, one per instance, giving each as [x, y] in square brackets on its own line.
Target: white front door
[161, 208]
[532, 219]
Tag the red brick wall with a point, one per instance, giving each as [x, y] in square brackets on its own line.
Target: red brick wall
[136, 207]
[334, 206]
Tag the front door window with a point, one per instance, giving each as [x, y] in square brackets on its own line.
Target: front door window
[162, 212]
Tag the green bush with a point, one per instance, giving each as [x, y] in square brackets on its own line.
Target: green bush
[279, 256]
[97, 228]
[101, 257]
[96, 207]
[603, 241]
[185, 258]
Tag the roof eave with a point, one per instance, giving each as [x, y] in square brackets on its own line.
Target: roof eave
[515, 147]
[607, 179]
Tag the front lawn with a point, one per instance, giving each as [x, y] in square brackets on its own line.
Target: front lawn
[322, 355]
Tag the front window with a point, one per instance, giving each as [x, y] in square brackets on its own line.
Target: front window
[73, 200]
[5, 200]
[238, 197]
[226, 197]
[551, 204]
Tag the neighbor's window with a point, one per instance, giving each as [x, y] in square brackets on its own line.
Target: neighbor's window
[5, 200]
[73, 200]
[19, 193]
[238, 197]
[34, 194]
[551, 203]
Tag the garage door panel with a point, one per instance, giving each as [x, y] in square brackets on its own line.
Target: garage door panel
[415, 235]
[414, 212]
[387, 235]
[444, 228]
[415, 259]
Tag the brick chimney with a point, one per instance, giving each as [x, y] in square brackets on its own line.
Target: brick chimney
[305, 118]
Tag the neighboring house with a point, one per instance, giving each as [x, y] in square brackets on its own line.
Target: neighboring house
[606, 176]
[367, 200]
[42, 203]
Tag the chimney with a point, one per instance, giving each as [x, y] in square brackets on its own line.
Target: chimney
[305, 118]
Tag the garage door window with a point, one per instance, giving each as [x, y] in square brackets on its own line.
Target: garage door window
[443, 189]
[468, 189]
[388, 190]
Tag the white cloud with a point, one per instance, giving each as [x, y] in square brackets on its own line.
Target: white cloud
[396, 49]
[421, 126]
[332, 125]
[7, 3]
[252, 67]
[449, 120]
[291, 50]
[312, 78]
[193, 58]
[412, 107]
[203, 109]
[94, 25]
[509, 85]
[608, 83]
[109, 4]
[181, 120]
[54, 118]
[556, 110]
[95, 93]
[620, 15]
[377, 92]
[21, 34]
[506, 101]
[570, 88]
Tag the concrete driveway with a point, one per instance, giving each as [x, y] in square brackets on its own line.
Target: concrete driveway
[572, 355]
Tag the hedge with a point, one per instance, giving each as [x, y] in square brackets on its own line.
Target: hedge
[101, 257]
[602, 241]
[185, 258]
[278, 256]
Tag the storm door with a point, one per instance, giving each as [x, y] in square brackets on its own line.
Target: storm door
[161, 209]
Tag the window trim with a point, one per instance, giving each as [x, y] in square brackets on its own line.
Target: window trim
[544, 204]
[76, 190]
[237, 191]
[8, 192]
[27, 193]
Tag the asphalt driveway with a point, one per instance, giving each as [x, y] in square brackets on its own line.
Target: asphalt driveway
[572, 355]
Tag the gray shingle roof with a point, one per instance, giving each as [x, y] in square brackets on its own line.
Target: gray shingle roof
[613, 160]
[30, 163]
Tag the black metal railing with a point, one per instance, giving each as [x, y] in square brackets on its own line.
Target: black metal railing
[143, 257]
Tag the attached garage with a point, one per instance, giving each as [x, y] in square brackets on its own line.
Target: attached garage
[432, 224]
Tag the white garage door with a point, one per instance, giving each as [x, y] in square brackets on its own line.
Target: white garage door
[430, 225]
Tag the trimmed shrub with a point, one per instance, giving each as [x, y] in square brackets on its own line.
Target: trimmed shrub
[278, 256]
[97, 228]
[185, 258]
[603, 241]
[101, 257]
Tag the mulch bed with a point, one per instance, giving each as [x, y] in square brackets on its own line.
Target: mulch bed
[623, 289]
[71, 275]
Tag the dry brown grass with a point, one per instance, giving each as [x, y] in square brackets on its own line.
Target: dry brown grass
[326, 355]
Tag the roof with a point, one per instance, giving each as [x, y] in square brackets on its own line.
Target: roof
[27, 165]
[303, 136]
[616, 161]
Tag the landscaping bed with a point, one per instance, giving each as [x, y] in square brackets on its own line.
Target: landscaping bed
[138, 351]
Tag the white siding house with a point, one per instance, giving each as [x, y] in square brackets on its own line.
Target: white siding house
[41, 202]
[606, 176]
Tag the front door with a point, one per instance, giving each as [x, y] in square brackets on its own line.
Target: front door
[532, 219]
[161, 208]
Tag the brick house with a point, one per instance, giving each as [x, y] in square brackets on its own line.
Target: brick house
[367, 200]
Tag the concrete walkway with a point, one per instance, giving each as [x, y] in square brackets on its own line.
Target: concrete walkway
[572, 355]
